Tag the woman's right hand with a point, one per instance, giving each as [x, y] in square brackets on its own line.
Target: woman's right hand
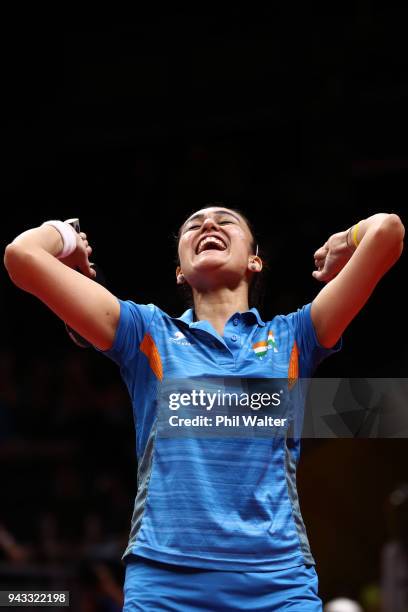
[85, 306]
[79, 259]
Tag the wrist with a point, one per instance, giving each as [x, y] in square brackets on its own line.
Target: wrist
[349, 240]
[352, 237]
[68, 237]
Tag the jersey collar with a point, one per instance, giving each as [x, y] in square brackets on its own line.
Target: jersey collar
[187, 316]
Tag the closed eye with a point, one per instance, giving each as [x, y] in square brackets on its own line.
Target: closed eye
[224, 222]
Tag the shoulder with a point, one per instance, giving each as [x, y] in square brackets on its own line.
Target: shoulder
[129, 308]
[292, 319]
[151, 314]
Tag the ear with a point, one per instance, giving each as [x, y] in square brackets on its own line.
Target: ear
[254, 263]
[179, 276]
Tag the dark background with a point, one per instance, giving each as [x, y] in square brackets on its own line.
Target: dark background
[297, 119]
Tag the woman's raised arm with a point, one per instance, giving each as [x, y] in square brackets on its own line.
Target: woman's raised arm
[33, 265]
[352, 263]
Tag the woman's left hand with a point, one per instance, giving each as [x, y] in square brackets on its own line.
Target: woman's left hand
[332, 257]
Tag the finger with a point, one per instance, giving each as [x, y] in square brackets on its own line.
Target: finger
[321, 251]
[321, 276]
[92, 269]
[85, 266]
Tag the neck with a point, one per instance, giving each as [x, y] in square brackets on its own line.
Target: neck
[217, 306]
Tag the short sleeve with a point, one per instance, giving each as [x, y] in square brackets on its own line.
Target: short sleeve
[134, 322]
[311, 352]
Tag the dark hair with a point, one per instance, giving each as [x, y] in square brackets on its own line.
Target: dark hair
[257, 286]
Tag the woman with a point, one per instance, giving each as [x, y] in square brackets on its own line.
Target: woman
[216, 524]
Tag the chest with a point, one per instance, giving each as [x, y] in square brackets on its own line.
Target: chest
[251, 351]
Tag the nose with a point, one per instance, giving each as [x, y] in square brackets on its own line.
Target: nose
[208, 223]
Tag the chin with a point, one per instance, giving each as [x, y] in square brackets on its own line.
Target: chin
[210, 261]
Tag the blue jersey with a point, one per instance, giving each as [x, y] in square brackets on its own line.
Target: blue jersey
[217, 503]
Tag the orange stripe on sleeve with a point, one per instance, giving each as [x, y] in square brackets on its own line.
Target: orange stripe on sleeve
[293, 370]
[149, 348]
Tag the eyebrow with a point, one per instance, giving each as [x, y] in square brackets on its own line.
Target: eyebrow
[216, 212]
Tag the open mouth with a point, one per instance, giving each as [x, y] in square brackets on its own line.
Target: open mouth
[210, 243]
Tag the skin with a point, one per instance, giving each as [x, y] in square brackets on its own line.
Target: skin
[351, 273]
[84, 305]
[219, 279]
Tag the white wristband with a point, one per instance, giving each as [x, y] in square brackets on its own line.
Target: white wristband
[68, 235]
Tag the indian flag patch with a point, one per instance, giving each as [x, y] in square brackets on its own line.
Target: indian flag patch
[261, 348]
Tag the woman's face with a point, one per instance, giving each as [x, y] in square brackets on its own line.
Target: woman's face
[214, 248]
